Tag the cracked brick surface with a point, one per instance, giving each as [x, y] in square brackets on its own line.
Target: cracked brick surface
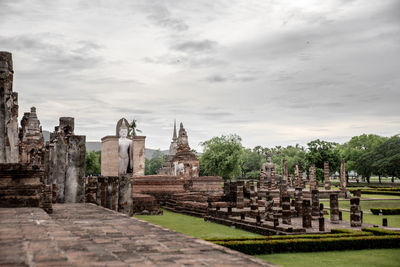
[88, 235]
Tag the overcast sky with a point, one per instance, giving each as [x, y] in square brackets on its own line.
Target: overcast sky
[274, 72]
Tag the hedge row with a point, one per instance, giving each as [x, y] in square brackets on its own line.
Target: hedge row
[257, 247]
[380, 231]
[378, 192]
[285, 237]
[386, 211]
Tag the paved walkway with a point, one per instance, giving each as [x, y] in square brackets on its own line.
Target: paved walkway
[88, 235]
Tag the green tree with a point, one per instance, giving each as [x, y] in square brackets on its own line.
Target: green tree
[252, 161]
[293, 155]
[93, 163]
[153, 165]
[386, 158]
[319, 151]
[222, 156]
[359, 153]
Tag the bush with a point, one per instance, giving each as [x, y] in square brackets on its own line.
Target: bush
[386, 211]
[380, 231]
[348, 231]
[257, 247]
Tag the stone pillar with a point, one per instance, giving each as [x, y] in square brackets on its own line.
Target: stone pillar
[301, 182]
[342, 175]
[334, 205]
[138, 155]
[273, 181]
[355, 212]
[239, 195]
[286, 213]
[326, 176]
[321, 220]
[261, 181]
[307, 214]
[125, 195]
[313, 178]
[315, 204]
[75, 169]
[285, 170]
[109, 156]
[298, 195]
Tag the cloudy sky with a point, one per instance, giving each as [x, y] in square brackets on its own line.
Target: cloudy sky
[274, 72]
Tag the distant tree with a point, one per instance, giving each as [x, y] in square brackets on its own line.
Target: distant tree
[222, 156]
[319, 151]
[93, 163]
[293, 155]
[153, 165]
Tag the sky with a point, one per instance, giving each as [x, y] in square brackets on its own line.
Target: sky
[273, 72]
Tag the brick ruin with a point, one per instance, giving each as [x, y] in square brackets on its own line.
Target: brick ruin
[30, 170]
[279, 204]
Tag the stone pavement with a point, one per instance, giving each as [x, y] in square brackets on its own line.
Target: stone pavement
[88, 235]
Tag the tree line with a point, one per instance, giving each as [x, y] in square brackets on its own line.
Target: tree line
[225, 156]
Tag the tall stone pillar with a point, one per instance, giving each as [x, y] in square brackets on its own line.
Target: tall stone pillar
[298, 196]
[355, 210]
[334, 206]
[315, 204]
[286, 213]
[75, 169]
[307, 214]
[326, 176]
[239, 195]
[9, 151]
[313, 178]
[125, 195]
[138, 155]
[342, 175]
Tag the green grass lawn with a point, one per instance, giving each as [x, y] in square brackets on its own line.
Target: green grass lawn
[194, 226]
[354, 258]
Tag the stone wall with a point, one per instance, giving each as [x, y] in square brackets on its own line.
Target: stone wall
[109, 156]
[159, 186]
[138, 155]
[66, 161]
[21, 186]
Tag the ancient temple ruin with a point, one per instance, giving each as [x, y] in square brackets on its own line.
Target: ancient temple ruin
[32, 172]
[181, 161]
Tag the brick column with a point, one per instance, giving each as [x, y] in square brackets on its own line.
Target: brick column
[334, 205]
[326, 176]
[306, 214]
[315, 204]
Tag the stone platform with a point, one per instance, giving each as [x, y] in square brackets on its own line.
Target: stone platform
[89, 235]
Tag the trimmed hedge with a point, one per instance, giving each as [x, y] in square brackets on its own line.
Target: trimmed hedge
[386, 211]
[285, 237]
[344, 230]
[380, 231]
[378, 192]
[257, 247]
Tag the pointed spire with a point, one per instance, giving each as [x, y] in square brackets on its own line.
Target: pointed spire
[174, 137]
